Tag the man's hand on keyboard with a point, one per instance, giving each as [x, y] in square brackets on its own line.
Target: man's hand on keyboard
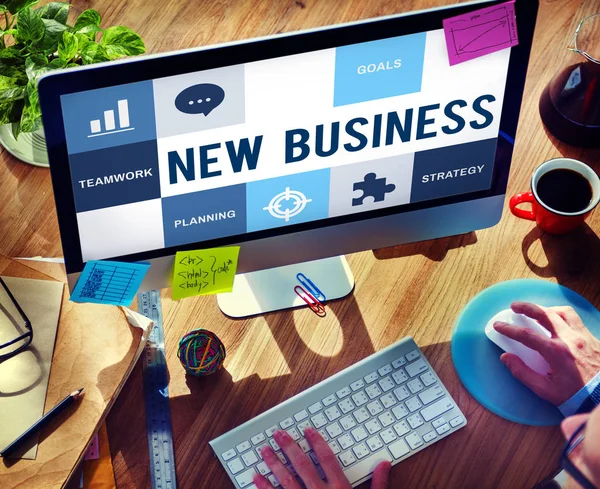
[572, 352]
[306, 469]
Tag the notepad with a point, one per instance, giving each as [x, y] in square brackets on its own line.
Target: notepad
[109, 282]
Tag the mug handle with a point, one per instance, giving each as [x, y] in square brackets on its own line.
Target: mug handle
[515, 200]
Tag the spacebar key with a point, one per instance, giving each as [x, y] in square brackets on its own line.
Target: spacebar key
[366, 466]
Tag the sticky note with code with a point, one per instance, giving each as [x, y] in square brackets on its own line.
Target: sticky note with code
[109, 282]
[203, 272]
[480, 32]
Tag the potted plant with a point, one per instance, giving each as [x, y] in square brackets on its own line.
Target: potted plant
[37, 41]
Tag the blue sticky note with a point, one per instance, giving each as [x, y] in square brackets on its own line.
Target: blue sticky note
[109, 282]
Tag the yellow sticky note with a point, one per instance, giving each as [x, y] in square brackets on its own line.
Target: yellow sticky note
[203, 272]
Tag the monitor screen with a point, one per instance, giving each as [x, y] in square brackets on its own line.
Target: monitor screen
[270, 144]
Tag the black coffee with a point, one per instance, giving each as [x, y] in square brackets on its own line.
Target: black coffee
[564, 190]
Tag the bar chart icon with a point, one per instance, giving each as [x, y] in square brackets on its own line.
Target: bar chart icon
[110, 126]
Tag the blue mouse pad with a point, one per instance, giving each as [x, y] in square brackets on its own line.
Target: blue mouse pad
[477, 359]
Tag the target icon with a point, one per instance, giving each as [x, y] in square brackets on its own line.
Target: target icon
[293, 208]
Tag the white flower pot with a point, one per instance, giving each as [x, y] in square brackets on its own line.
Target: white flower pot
[30, 147]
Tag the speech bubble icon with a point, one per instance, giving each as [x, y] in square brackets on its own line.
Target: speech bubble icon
[200, 99]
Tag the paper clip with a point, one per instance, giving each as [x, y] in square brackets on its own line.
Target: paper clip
[310, 287]
[311, 300]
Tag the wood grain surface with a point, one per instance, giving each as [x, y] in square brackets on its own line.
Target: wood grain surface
[416, 289]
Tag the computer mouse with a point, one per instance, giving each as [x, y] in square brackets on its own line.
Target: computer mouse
[530, 357]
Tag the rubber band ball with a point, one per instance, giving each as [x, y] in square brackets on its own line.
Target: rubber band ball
[201, 352]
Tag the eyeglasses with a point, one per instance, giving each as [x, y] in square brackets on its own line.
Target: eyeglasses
[568, 465]
[21, 342]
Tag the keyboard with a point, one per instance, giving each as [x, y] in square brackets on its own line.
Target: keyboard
[388, 406]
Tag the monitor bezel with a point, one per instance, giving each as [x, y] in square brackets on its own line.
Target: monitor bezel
[131, 70]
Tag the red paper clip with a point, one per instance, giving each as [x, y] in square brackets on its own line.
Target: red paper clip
[315, 305]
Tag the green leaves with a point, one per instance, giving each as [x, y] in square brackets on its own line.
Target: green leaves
[93, 53]
[58, 11]
[67, 47]
[15, 6]
[88, 23]
[30, 26]
[119, 41]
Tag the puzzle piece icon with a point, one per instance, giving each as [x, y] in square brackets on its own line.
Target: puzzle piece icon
[372, 187]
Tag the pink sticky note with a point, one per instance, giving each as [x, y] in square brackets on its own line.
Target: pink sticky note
[93, 451]
[481, 32]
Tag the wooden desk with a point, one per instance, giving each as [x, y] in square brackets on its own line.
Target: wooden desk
[416, 289]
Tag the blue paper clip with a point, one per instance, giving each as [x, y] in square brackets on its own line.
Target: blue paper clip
[310, 287]
[311, 300]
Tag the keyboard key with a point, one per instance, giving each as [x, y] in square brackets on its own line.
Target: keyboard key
[263, 468]
[249, 458]
[428, 378]
[373, 391]
[324, 435]
[437, 408]
[372, 377]
[359, 434]
[438, 422]
[375, 408]
[319, 420]
[416, 368]
[281, 458]
[259, 449]
[412, 355]
[387, 419]
[274, 445]
[347, 422]
[386, 369]
[274, 481]
[415, 421]
[399, 362]
[245, 478]
[414, 440]
[427, 437]
[314, 458]
[388, 400]
[431, 394]
[361, 415]
[271, 431]
[373, 426]
[334, 429]
[333, 413]
[400, 376]
[399, 449]
[413, 404]
[242, 447]
[454, 422]
[259, 438]
[293, 432]
[346, 406]
[400, 411]
[316, 407]
[443, 429]
[401, 428]
[286, 423]
[347, 458]
[235, 466]
[304, 445]
[335, 448]
[355, 386]
[360, 398]
[361, 450]
[343, 392]
[388, 436]
[415, 386]
[302, 426]
[301, 415]
[402, 393]
[329, 400]
[345, 441]
[386, 384]
[374, 443]
[228, 455]
[366, 466]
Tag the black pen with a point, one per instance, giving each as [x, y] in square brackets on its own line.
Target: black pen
[43, 421]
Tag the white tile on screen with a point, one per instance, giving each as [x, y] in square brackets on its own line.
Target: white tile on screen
[120, 230]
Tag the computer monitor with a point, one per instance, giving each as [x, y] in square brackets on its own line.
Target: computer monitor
[296, 147]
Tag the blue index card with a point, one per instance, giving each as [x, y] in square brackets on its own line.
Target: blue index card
[109, 282]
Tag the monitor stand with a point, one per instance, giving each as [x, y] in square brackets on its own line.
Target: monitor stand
[273, 289]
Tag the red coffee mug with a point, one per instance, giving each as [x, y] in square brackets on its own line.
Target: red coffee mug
[548, 219]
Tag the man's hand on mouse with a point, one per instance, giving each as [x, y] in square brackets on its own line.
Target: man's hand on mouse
[572, 352]
[305, 468]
